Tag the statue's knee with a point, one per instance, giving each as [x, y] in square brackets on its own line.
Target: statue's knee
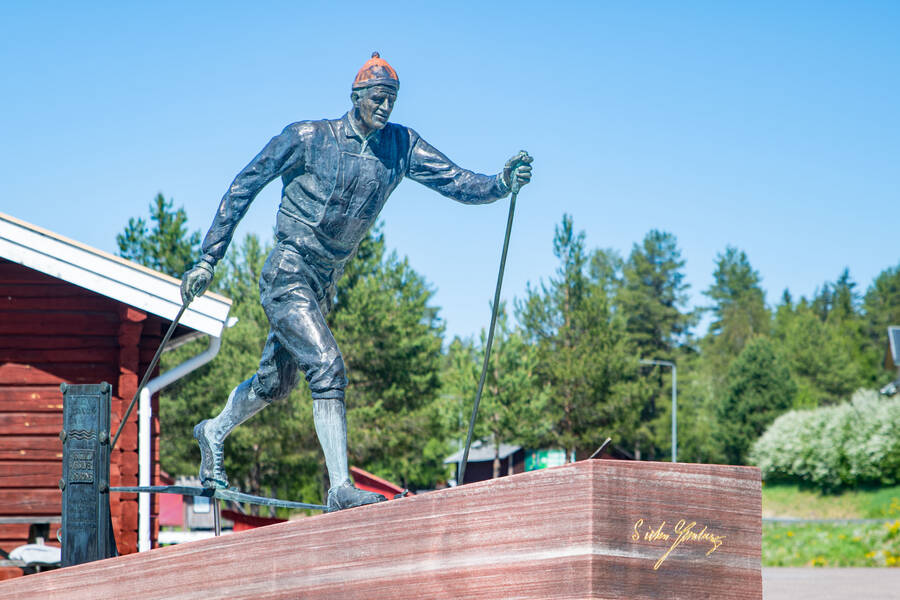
[273, 389]
[329, 378]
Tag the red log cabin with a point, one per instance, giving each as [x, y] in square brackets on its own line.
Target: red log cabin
[71, 313]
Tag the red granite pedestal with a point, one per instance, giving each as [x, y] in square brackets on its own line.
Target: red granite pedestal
[593, 529]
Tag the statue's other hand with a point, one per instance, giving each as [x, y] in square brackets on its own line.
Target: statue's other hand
[195, 281]
[517, 171]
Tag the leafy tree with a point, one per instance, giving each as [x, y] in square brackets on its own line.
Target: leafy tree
[583, 358]
[846, 446]
[760, 389]
[167, 247]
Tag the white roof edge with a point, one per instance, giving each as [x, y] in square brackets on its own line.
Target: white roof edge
[108, 275]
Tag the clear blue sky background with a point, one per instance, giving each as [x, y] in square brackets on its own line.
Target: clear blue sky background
[771, 126]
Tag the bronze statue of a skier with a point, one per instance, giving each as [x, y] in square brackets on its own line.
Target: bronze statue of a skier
[337, 175]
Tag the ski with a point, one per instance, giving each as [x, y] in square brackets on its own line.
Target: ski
[219, 493]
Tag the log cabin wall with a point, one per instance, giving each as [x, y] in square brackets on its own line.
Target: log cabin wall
[53, 332]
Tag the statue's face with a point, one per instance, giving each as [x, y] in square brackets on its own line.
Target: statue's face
[374, 105]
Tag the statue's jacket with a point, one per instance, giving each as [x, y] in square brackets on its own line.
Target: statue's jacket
[335, 185]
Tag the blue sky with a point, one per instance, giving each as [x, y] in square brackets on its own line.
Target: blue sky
[770, 126]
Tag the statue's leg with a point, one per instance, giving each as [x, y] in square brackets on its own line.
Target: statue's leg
[330, 419]
[279, 373]
[300, 326]
[210, 434]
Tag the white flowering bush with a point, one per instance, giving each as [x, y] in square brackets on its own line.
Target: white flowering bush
[834, 446]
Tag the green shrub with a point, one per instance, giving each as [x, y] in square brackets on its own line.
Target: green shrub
[833, 447]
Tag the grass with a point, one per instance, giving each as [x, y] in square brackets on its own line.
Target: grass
[786, 500]
[831, 544]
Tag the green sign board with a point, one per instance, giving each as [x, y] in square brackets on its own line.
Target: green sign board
[541, 459]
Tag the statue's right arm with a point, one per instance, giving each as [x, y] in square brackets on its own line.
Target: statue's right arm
[283, 152]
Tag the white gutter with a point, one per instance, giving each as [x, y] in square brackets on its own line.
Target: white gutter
[144, 432]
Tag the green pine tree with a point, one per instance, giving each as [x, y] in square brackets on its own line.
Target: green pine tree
[583, 359]
[739, 308]
[652, 300]
[760, 389]
[819, 354]
[513, 403]
[654, 295]
[167, 247]
[881, 308]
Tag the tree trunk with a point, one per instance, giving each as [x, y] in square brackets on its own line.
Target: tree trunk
[496, 459]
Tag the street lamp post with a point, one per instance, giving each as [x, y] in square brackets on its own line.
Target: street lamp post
[666, 363]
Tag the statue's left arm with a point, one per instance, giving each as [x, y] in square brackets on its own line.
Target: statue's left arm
[430, 167]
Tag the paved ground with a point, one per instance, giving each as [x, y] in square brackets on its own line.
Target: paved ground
[825, 584]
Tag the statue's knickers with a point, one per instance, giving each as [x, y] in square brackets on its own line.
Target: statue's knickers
[296, 298]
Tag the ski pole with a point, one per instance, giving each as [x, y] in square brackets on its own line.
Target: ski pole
[147, 374]
[496, 307]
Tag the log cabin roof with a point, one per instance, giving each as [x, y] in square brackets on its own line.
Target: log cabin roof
[108, 275]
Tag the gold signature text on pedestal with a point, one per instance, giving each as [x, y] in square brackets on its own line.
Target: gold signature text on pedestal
[684, 532]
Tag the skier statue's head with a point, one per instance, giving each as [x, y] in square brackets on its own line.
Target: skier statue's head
[374, 93]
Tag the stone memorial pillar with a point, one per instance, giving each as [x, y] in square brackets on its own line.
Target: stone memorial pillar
[86, 531]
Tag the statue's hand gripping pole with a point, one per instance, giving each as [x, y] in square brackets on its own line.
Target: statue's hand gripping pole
[522, 159]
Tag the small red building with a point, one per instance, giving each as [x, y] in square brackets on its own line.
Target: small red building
[71, 313]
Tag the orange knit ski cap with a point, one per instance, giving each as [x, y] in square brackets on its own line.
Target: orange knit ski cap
[376, 71]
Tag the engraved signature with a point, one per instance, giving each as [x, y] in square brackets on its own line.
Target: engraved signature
[683, 531]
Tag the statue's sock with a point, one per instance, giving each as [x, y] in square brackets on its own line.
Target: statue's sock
[242, 404]
[330, 418]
